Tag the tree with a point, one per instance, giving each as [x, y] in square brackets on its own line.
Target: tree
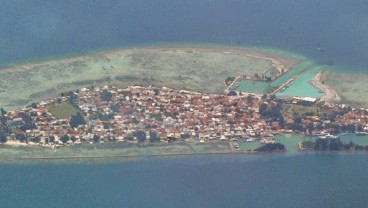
[262, 109]
[35, 139]
[73, 138]
[96, 138]
[335, 144]
[320, 144]
[185, 136]
[141, 135]
[106, 96]
[271, 147]
[34, 105]
[154, 137]
[2, 111]
[21, 137]
[77, 120]
[115, 108]
[228, 80]
[249, 99]
[51, 139]
[232, 93]
[64, 138]
[72, 97]
[298, 120]
[3, 137]
[308, 145]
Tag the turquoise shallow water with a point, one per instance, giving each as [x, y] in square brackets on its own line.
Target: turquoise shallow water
[264, 87]
[301, 86]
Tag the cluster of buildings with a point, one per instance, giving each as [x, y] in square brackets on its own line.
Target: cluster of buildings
[142, 114]
[334, 119]
[149, 114]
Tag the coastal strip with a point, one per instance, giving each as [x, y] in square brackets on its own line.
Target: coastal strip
[141, 156]
[330, 94]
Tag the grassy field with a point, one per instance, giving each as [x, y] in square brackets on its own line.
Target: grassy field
[63, 110]
[292, 111]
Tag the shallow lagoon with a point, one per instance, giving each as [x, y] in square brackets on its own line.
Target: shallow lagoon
[301, 86]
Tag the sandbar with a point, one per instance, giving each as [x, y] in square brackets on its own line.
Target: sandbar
[330, 94]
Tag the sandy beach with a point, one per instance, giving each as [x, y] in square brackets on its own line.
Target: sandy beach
[330, 94]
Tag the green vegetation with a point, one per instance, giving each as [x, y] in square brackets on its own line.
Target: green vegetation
[192, 87]
[64, 138]
[331, 145]
[63, 110]
[271, 147]
[298, 111]
[106, 96]
[3, 138]
[307, 145]
[77, 120]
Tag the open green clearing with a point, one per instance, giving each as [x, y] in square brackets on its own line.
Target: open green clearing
[63, 110]
[292, 111]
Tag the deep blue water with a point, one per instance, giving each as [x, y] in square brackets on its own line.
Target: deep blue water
[32, 29]
[278, 181]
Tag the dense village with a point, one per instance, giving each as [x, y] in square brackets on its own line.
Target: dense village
[149, 114]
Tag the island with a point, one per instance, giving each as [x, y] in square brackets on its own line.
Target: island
[166, 101]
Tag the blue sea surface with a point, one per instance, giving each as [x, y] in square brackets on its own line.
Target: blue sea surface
[279, 181]
[39, 29]
[34, 29]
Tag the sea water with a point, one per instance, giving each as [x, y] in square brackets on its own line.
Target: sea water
[291, 179]
[37, 29]
[278, 181]
[33, 29]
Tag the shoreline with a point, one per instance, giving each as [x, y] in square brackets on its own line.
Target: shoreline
[11, 152]
[71, 157]
[330, 94]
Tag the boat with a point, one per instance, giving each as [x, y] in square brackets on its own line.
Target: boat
[250, 140]
[329, 136]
